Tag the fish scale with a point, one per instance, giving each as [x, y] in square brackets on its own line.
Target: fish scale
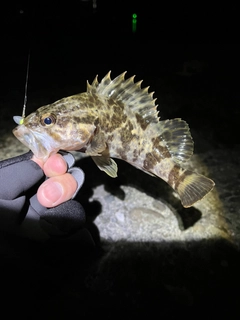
[117, 119]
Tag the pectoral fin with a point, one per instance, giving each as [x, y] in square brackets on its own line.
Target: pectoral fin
[98, 144]
[99, 152]
[106, 164]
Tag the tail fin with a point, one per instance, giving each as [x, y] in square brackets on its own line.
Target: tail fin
[192, 187]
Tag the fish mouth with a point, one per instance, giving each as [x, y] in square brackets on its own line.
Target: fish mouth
[31, 141]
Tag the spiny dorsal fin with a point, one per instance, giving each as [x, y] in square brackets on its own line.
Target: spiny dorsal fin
[177, 137]
[129, 93]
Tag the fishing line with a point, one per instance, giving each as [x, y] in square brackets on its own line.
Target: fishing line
[20, 119]
[26, 87]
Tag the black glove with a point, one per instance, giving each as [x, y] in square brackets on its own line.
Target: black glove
[22, 214]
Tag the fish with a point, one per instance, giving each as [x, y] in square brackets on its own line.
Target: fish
[117, 119]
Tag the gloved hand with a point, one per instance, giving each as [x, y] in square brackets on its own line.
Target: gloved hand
[22, 214]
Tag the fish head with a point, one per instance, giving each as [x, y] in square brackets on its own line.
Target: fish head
[46, 131]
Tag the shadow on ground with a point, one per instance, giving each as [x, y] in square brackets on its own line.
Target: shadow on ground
[129, 176]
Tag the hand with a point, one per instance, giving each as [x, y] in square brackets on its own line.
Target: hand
[60, 186]
[32, 207]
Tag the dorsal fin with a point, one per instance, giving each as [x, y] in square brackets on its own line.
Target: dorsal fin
[129, 93]
[177, 137]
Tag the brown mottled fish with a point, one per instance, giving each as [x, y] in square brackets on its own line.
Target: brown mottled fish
[117, 118]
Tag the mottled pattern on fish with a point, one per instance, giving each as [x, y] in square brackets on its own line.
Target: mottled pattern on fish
[117, 118]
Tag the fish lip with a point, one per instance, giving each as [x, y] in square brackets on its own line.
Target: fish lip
[29, 139]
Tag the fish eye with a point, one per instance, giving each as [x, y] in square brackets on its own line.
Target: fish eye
[48, 119]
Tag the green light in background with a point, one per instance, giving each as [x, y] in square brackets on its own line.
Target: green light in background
[134, 22]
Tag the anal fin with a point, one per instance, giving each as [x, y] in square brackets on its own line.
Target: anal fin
[107, 165]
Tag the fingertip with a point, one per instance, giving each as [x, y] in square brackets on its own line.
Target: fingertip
[57, 190]
[55, 165]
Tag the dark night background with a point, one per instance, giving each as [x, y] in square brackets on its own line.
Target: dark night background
[72, 42]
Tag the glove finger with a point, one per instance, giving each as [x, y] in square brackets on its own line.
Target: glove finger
[68, 157]
[79, 176]
[76, 172]
[11, 161]
[10, 211]
[64, 218]
[18, 178]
